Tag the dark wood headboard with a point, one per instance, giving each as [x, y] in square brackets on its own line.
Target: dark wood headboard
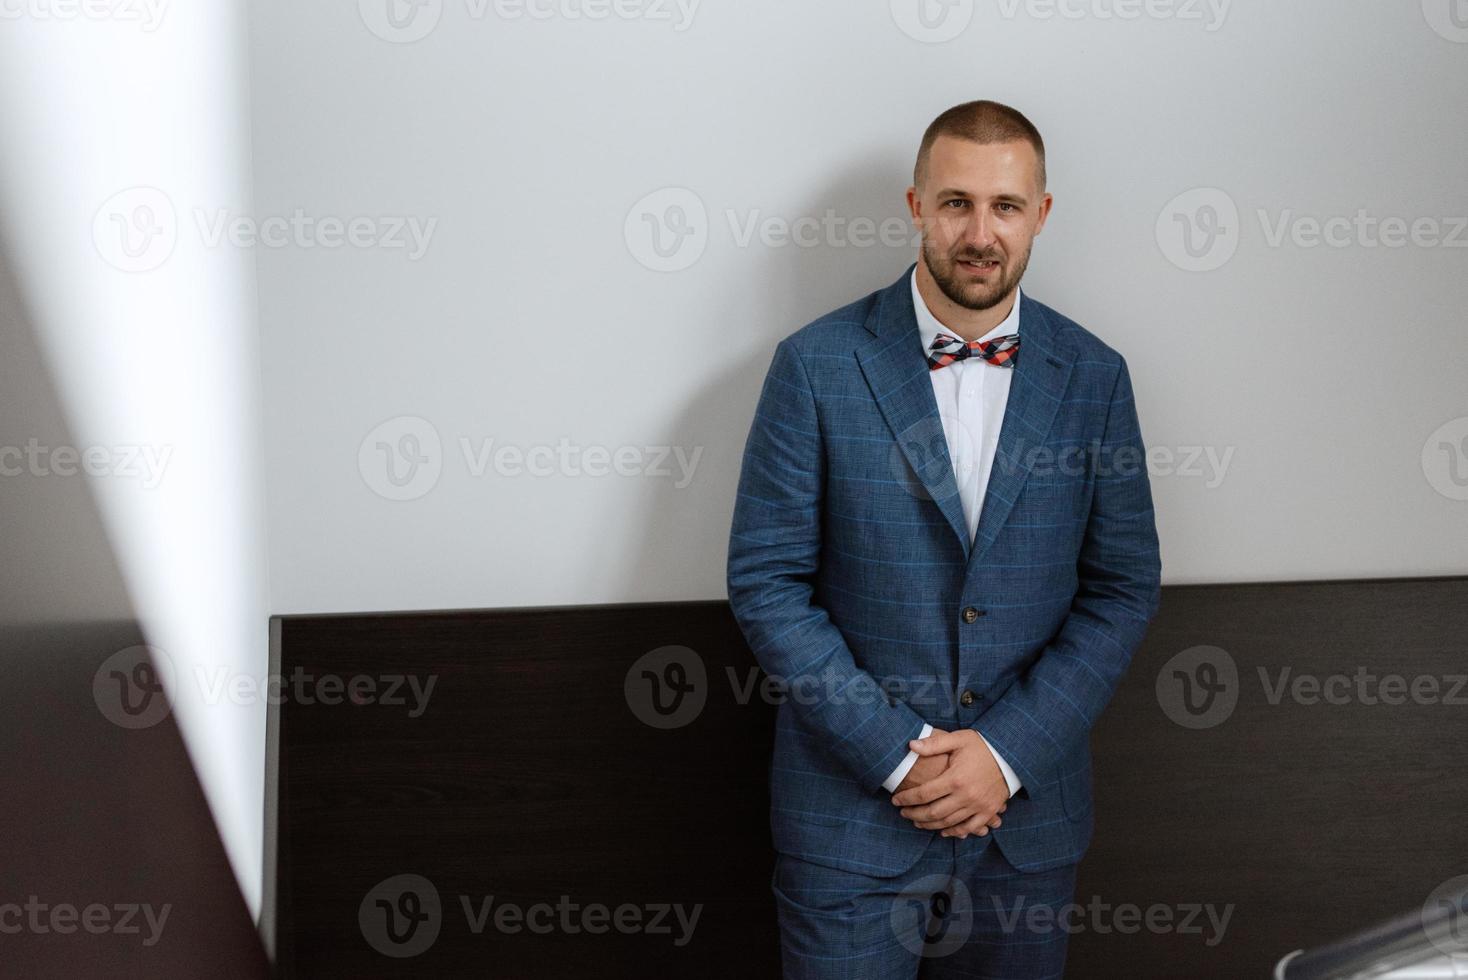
[539, 771]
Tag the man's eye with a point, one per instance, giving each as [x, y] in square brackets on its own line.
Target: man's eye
[1006, 207]
[955, 201]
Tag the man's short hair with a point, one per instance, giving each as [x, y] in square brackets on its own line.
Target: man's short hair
[981, 122]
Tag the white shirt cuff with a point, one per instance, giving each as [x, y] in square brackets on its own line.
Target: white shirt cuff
[1009, 776]
[900, 773]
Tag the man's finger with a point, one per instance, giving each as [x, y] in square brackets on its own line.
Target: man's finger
[933, 789]
[943, 813]
[928, 820]
[978, 819]
[939, 808]
[937, 743]
[969, 826]
[957, 817]
[946, 823]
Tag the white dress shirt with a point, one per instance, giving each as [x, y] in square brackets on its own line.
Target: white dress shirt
[971, 396]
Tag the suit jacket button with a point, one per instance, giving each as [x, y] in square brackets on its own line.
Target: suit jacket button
[970, 614]
[966, 699]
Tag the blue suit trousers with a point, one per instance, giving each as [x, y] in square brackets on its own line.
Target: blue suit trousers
[963, 912]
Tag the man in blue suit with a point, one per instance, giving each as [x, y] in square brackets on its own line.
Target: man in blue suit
[944, 548]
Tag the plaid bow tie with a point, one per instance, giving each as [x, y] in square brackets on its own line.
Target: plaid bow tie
[1000, 351]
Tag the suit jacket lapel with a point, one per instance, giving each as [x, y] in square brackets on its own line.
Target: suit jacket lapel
[897, 372]
[1041, 373]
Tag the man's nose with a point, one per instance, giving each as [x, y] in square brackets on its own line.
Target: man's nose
[979, 233]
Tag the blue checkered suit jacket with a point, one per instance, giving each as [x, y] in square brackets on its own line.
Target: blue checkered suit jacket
[852, 577]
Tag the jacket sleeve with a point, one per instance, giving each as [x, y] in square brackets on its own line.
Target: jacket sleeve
[1050, 709]
[774, 554]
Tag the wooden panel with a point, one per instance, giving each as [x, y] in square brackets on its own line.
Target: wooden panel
[529, 776]
[1312, 820]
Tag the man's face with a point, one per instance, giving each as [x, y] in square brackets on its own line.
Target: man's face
[979, 213]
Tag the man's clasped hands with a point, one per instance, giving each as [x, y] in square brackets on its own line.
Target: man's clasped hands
[955, 786]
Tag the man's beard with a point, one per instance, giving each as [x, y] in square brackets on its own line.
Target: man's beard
[969, 293]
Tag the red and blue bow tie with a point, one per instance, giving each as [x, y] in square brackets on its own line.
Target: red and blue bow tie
[1000, 351]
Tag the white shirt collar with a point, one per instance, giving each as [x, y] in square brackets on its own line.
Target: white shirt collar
[929, 327]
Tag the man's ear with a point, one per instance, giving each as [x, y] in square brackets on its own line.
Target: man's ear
[915, 204]
[1045, 203]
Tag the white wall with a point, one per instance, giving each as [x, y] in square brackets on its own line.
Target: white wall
[1315, 376]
